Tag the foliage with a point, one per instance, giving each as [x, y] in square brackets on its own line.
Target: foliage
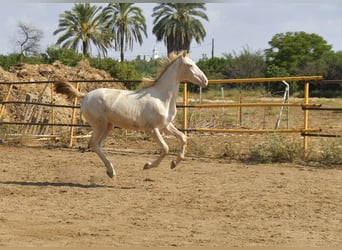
[121, 71]
[276, 149]
[147, 68]
[84, 24]
[7, 61]
[334, 66]
[66, 56]
[177, 24]
[127, 24]
[246, 64]
[331, 153]
[13, 59]
[298, 53]
[213, 67]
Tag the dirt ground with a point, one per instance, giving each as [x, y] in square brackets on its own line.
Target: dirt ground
[55, 196]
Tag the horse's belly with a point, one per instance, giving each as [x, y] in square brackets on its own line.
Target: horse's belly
[138, 116]
[135, 120]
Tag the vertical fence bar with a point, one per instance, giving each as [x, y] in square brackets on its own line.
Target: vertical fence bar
[185, 109]
[73, 117]
[306, 117]
[52, 110]
[2, 110]
[240, 110]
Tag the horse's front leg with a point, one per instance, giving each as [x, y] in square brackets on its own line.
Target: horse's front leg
[174, 131]
[164, 149]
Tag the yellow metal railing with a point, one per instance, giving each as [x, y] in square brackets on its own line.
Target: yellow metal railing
[305, 103]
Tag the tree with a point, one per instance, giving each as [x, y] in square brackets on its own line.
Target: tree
[334, 66]
[247, 64]
[333, 72]
[213, 67]
[127, 23]
[85, 24]
[28, 39]
[297, 52]
[177, 24]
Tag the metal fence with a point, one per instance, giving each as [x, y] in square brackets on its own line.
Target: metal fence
[38, 123]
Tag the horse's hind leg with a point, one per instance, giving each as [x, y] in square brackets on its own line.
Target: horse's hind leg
[164, 149]
[174, 131]
[100, 132]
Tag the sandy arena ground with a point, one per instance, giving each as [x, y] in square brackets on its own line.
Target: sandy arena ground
[62, 197]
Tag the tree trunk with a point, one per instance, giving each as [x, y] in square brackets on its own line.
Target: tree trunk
[85, 48]
[122, 57]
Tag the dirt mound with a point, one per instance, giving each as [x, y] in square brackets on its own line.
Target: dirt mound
[45, 72]
[42, 92]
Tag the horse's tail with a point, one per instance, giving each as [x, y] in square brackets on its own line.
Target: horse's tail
[64, 87]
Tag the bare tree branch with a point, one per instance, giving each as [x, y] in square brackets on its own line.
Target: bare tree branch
[28, 39]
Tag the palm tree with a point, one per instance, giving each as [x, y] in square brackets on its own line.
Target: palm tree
[127, 23]
[85, 24]
[177, 24]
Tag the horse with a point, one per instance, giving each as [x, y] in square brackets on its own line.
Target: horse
[151, 108]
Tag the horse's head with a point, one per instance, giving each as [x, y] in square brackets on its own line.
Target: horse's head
[190, 72]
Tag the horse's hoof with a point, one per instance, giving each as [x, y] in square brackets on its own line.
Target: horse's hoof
[173, 164]
[110, 174]
[147, 165]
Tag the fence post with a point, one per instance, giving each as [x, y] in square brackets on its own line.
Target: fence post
[73, 117]
[3, 106]
[52, 109]
[240, 110]
[185, 109]
[306, 117]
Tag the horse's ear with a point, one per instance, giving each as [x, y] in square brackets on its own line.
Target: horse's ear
[185, 53]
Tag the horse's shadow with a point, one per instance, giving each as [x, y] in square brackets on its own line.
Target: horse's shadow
[60, 184]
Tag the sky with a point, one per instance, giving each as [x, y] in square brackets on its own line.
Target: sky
[233, 24]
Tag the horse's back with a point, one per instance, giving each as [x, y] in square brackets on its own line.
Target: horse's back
[96, 102]
[123, 108]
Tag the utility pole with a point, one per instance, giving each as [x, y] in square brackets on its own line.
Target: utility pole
[212, 48]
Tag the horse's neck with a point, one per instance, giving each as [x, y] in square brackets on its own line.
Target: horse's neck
[167, 86]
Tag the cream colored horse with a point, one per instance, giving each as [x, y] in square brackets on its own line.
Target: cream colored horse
[151, 108]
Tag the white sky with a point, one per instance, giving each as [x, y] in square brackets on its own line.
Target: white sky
[233, 24]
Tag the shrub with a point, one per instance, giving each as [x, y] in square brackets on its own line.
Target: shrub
[13, 59]
[68, 57]
[118, 70]
[331, 153]
[276, 149]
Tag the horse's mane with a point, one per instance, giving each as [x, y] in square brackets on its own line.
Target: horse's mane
[165, 63]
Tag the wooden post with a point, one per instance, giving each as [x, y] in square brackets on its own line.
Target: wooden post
[238, 114]
[306, 118]
[240, 110]
[2, 110]
[185, 109]
[73, 117]
[52, 111]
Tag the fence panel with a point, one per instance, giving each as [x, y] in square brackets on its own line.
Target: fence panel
[35, 120]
